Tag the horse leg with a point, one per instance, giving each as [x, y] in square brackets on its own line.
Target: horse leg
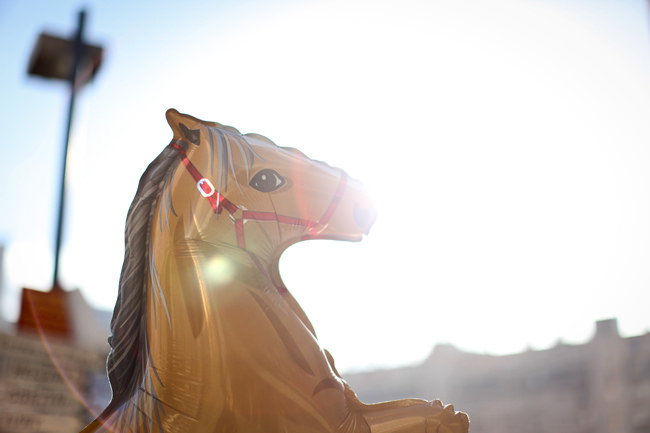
[399, 416]
[408, 416]
[415, 416]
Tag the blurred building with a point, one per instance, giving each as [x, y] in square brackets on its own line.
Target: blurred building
[52, 385]
[48, 388]
[602, 386]
[3, 324]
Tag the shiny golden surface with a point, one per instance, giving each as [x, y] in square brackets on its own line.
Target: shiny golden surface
[211, 340]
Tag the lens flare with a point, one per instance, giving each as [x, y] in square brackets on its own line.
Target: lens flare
[219, 271]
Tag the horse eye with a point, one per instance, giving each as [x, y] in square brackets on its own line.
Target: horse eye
[267, 180]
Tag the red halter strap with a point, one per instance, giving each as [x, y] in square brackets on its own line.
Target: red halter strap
[218, 201]
[204, 185]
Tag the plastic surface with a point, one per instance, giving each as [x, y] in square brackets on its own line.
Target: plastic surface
[206, 338]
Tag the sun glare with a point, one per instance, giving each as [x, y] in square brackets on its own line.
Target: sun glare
[218, 271]
[504, 144]
[29, 264]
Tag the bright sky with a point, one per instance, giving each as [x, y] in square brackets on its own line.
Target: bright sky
[507, 144]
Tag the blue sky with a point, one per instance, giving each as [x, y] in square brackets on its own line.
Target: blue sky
[506, 144]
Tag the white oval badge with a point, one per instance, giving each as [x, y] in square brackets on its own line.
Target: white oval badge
[205, 187]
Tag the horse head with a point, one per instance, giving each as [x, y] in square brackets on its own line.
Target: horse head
[274, 196]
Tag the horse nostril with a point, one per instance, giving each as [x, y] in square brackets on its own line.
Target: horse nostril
[364, 217]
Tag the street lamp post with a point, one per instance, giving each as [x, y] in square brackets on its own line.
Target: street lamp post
[77, 48]
[76, 62]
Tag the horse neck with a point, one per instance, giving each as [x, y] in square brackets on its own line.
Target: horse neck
[193, 288]
[185, 327]
[188, 283]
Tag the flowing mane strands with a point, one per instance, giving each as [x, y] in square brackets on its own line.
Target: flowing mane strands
[224, 139]
[129, 356]
[128, 326]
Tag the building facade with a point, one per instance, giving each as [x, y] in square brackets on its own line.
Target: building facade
[602, 386]
[52, 383]
[48, 386]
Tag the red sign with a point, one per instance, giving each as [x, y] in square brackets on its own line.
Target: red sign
[45, 312]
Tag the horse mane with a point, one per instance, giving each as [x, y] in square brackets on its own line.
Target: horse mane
[129, 356]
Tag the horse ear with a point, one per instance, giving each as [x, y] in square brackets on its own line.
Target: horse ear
[185, 127]
[192, 135]
[188, 128]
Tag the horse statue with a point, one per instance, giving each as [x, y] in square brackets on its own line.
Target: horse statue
[205, 336]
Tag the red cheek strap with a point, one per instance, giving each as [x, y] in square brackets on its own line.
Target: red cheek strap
[218, 201]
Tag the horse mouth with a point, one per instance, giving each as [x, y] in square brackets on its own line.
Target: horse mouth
[364, 217]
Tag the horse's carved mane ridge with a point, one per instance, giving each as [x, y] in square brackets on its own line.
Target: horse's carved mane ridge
[259, 137]
[128, 358]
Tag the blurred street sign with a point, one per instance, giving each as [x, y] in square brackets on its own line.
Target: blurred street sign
[53, 57]
[45, 312]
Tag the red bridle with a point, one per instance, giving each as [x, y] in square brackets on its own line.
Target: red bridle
[219, 202]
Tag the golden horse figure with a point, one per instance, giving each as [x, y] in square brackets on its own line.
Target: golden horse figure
[206, 337]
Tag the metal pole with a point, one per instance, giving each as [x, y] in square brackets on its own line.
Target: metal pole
[78, 53]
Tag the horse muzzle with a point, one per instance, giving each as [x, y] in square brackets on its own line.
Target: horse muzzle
[364, 217]
[353, 216]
